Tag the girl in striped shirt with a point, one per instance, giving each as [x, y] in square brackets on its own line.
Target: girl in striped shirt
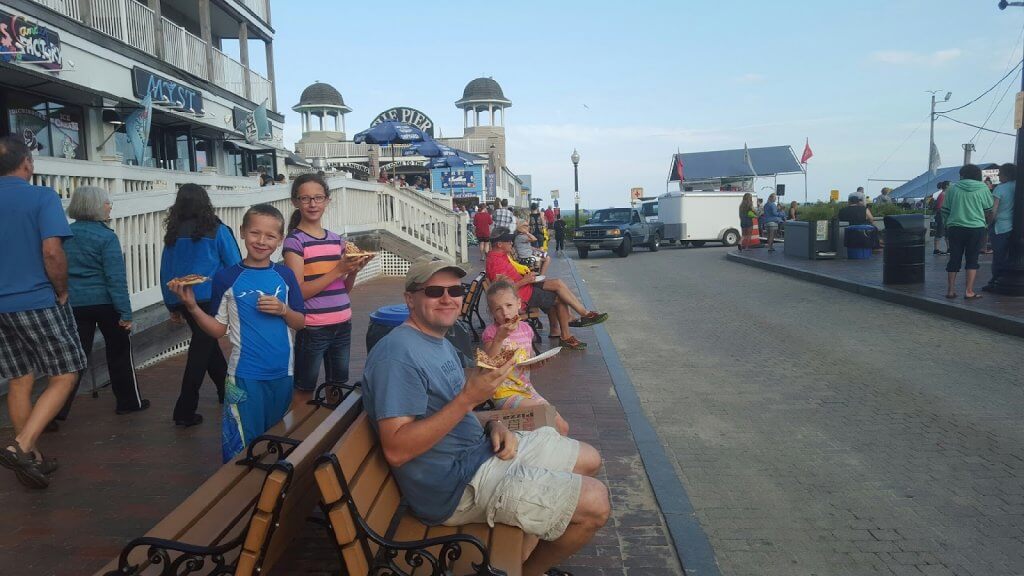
[314, 254]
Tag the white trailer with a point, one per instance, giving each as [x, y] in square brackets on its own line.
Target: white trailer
[699, 217]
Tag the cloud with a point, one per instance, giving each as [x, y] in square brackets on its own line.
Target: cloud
[909, 58]
[750, 78]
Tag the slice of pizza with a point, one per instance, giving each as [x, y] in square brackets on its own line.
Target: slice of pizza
[190, 280]
[494, 362]
[353, 251]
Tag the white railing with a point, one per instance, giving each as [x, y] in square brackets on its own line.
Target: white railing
[127, 20]
[141, 197]
[184, 50]
[258, 7]
[65, 175]
[68, 8]
[228, 73]
[260, 88]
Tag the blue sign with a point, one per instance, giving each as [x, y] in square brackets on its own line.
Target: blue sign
[461, 183]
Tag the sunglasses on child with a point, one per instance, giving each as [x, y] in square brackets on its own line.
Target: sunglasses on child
[457, 291]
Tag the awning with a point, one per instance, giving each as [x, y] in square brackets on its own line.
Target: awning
[925, 184]
[243, 145]
[718, 164]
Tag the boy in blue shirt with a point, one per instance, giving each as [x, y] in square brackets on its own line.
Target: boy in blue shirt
[259, 305]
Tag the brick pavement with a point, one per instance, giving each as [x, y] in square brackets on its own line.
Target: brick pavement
[820, 432]
[120, 474]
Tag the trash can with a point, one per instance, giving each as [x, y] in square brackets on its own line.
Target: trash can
[903, 257]
[859, 240]
[386, 318]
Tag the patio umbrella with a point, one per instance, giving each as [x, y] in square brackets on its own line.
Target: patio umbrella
[389, 133]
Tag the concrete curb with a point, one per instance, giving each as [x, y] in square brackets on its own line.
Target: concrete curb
[992, 321]
[688, 537]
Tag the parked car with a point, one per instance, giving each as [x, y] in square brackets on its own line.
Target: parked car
[618, 230]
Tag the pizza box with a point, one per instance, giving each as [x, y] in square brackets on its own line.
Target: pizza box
[522, 419]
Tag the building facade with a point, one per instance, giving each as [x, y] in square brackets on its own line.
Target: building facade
[326, 144]
[73, 71]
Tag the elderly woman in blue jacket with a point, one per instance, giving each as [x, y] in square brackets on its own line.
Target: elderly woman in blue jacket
[98, 292]
[196, 242]
[773, 216]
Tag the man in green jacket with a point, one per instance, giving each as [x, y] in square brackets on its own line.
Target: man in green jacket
[966, 212]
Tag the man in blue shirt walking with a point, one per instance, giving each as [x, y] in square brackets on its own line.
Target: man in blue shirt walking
[38, 336]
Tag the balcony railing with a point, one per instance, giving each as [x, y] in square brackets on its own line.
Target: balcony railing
[184, 50]
[133, 23]
[228, 73]
[68, 8]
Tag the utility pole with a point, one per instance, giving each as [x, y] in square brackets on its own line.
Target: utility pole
[1011, 280]
[931, 136]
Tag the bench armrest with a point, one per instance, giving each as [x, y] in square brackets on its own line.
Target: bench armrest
[417, 555]
[192, 558]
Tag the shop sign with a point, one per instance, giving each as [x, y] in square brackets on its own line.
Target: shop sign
[459, 179]
[407, 115]
[28, 42]
[165, 90]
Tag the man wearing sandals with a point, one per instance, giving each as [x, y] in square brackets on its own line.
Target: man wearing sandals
[38, 336]
[552, 296]
[455, 470]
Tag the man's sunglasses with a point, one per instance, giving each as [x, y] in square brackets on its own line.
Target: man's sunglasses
[457, 291]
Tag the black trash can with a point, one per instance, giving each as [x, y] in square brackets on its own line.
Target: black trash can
[385, 319]
[903, 259]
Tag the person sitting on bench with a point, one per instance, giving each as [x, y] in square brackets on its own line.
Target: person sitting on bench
[553, 297]
[451, 468]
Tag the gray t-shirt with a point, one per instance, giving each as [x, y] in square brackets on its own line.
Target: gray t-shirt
[522, 246]
[409, 373]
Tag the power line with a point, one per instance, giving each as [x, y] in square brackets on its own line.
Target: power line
[973, 125]
[982, 95]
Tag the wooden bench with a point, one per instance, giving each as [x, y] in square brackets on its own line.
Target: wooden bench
[375, 533]
[241, 519]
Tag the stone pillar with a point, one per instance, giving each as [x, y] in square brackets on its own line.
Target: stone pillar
[206, 34]
[243, 53]
[270, 66]
[158, 27]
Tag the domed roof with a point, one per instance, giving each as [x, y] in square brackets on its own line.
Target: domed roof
[321, 94]
[483, 90]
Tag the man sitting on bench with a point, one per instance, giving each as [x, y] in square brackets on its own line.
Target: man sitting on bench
[452, 469]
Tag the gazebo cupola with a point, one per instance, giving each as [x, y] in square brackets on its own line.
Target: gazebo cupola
[319, 103]
[483, 95]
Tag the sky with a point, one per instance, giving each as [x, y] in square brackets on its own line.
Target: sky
[628, 84]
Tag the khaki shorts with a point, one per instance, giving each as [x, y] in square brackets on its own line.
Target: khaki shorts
[535, 490]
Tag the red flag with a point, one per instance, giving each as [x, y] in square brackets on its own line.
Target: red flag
[807, 152]
[679, 167]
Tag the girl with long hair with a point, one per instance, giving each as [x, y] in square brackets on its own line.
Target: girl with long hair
[316, 256]
[196, 242]
[748, 223]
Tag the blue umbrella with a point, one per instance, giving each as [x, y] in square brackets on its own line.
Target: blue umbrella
[390, 132]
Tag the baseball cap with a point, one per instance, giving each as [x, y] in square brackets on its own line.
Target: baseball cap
[424, 267]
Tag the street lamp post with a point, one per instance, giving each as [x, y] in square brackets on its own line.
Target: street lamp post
[576, 182]
[1011, 279]
[931, 136]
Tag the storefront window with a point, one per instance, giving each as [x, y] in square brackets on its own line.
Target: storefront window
[49, 128]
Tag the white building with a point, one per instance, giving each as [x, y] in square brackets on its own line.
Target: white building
[79, 68]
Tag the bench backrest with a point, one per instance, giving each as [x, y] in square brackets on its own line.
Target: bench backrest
[473, 294]
[355, 482]
[288, 494]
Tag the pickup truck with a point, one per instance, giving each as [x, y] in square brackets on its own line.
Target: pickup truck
[618, 230]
